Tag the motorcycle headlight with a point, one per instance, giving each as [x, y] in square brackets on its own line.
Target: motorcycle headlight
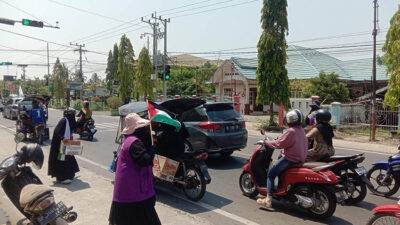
[8, 162]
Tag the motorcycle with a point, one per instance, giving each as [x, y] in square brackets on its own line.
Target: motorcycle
[352, 178]
[35, 132]
[87, 130]
[386, 214]
[310, 186]
[385, 176]
[27, 192]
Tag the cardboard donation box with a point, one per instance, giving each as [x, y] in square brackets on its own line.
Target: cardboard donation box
[164, 168]
[72, 147]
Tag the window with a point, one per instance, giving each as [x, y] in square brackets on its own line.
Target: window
[222, 112]
[299, 105]
[195, 115]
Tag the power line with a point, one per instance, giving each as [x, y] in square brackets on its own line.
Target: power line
[111, 36]
[183, 6]
[199, 7]
[89, 12]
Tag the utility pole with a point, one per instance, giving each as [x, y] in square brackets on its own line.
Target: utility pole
[154, 27]
[164, 23]
[23, 68]
[80, 75]
[373, 108]
[48, 61]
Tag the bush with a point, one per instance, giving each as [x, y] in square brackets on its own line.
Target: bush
[264, 125]
[77, 104]
[96, 99]
[114, 102]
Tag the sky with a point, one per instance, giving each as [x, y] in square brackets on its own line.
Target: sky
[196, 26]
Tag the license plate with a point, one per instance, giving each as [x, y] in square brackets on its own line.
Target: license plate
[361, 171]
[52, 214]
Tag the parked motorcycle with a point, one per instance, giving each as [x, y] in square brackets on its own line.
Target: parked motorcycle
[26, 191]
[310, 186]
[87, 130]
[385, 215]
[385, 176]
[352, 178]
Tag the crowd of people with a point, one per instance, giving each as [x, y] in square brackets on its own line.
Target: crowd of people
[134, 198]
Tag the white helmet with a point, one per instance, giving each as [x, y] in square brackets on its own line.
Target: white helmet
[294, 117]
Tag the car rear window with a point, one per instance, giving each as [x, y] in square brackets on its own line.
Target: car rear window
[222, 112]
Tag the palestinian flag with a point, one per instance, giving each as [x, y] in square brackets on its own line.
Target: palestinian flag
[158, 114]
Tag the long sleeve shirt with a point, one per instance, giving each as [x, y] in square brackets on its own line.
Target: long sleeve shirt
[294, 144]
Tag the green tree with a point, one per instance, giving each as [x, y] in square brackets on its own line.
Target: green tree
[391, 59]
[109, 74]
[272, 78]
[94, 82]
[329, 88]
[35, 87]
[59, 80]
[144, 84]
[125, 69]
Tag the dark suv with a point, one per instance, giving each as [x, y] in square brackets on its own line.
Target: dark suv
[214, 127]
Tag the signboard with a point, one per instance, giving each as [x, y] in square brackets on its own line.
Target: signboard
[9, 78]
[76, 86]
[101, 91]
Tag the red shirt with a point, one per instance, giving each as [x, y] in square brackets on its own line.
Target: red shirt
[294, 144]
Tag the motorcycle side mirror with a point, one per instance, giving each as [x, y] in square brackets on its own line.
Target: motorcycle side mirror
[398, 148]
[262, 132]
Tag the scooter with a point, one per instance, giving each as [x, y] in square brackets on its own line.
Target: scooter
[385, 176]
[87, 130]
[386, 214]
[352, 178]
[310, 186]
[26, 191]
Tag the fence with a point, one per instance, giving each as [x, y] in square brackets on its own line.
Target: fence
[360, 115]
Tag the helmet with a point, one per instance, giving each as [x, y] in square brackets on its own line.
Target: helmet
[86, 104]
[323, 116]
[294, 117]
[32, 153]
[70, 112]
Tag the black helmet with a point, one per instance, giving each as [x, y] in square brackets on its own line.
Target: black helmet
[86, 104]
[323, 116]
[69, 112]
[32, 153]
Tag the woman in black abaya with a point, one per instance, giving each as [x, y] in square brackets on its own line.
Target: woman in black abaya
[63, 167]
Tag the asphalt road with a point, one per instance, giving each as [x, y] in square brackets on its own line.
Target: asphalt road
[223, 202]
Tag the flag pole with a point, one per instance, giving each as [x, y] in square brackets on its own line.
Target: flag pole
[151, 126]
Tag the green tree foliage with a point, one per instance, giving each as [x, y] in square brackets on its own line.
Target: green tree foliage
[35, 87]
[112, 69]
[59, 80]
[94, 82]
[144, 84]
[391, 59]
[125, 69]
[272, 78]
[298, 88]
[188, 81]
[329, 88]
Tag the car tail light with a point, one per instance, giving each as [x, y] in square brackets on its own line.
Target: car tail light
[209, 126]
[244, 125]
[202, 156]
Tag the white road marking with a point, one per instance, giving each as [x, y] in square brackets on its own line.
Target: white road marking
[91, 162]
[212, 208]
[8, 128]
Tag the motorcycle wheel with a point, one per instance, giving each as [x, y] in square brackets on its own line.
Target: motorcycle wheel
[40, 139]
[247, 185]
[383, 219]
[388, 187]
[355, 188]
[90, 137]
[324, 201]
[195, 186]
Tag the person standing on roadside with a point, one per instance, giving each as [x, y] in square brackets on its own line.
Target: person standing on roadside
[63, 167]
[134, 196]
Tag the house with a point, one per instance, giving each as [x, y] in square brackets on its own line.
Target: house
[238, 75]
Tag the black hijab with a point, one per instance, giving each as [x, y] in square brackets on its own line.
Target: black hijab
[143, 134]
[327, 132]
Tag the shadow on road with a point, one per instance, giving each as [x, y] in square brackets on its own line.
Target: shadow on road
[366, 205]
[221, 163]
[179, 201]
[295, 211]
[76, 185]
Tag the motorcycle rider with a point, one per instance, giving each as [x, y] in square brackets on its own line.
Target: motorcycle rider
[294, 144]
[84, 115]
[322, 135]
[37, 114]
[310, 119]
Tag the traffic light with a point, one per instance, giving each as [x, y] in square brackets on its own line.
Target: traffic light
[5, 63]
[167, 72]
[32, 23]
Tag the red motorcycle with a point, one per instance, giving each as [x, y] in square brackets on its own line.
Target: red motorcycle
[310, 186]
[386, 214]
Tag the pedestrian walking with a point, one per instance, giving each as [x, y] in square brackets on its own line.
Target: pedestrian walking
[63, 167]
[134, 196]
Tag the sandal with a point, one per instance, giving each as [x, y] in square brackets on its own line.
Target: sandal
[266, 202]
